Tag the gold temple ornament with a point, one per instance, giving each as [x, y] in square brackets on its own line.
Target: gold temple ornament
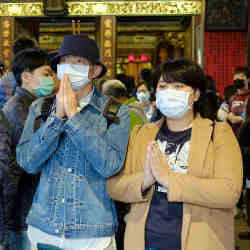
[116, 8]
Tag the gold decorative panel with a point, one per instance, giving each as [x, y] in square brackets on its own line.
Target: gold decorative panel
[108, 42]
[21, 9]
[125, 8]
[116, 8]
[7, 39]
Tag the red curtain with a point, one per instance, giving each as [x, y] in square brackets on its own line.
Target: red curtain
[224, 51]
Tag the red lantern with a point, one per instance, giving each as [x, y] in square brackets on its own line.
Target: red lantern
[144, 58]
[131, 58]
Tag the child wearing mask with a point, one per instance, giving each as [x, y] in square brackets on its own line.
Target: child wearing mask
[34, 79]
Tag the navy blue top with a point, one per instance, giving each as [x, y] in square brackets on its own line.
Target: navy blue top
[164, 221]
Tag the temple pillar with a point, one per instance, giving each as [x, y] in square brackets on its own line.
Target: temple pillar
[6, 39]
[108, 44]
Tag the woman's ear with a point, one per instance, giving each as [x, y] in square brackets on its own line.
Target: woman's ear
[95, 71]
[197, 95]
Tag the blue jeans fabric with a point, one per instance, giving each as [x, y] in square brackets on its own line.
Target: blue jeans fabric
[17, 240]
[150, 248]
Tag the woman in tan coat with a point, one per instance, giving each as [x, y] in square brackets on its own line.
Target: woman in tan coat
[183, 174]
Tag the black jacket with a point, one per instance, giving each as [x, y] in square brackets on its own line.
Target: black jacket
[5, 162]
[22, 186]
[244, 141]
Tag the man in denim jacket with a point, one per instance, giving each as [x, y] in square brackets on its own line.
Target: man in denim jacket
[75, 151]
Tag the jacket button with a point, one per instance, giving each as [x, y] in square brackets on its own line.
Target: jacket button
[57, 231]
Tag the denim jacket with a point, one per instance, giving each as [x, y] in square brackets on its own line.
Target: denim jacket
[74, 157]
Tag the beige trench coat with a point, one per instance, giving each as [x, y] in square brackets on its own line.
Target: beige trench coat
[209, 191]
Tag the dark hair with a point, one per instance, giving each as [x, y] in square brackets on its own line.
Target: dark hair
[242, 70]
[129, 82]
[210, 83]
[2, 68]
[51, 56]
[229, 91]
[187, 72]
[23, 43]
[156, 76]
[146, 76]
[28, 60]
[140, 84]
[210, 105]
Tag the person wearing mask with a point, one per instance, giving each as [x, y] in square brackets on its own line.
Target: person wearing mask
[143, 96]
[8, 82]
[182, 174]
[34, 79]
[80, 144]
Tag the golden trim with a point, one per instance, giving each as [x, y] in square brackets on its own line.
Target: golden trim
[125, 8]
[64, 29]
[21, 9]
[116, 8]
[148, 28]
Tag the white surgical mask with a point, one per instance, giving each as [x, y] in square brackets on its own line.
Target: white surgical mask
[143, 96]
[173, 103]
[78, 74]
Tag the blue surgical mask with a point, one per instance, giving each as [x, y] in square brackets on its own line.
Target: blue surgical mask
[173, 103]
[47, 86]
[78, 74]
[143, 96]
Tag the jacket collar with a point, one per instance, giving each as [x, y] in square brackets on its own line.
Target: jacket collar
[25, 95]
[98, 100]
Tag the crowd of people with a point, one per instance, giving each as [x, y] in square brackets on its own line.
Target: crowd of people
[87, 163]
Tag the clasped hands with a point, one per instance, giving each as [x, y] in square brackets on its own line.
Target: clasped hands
[66, 99]
[156, 168]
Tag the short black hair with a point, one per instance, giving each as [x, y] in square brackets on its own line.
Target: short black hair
[242, 70]
[28, 60]
[23, 43]
[187, 72]
[229, 91]
[140, 84]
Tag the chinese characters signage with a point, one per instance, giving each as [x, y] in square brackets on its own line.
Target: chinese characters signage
[108, 35]
[6, 34]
